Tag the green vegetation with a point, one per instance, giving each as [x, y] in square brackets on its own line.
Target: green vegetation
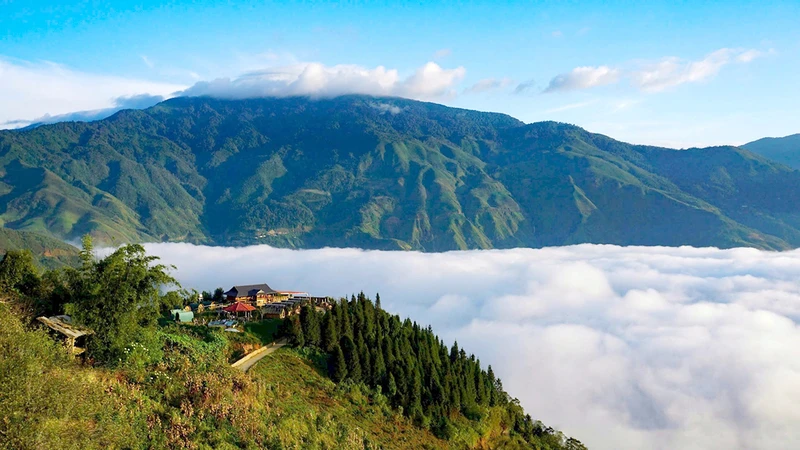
[144, 385]
[49, 253]
[785, 150]
[407, 366]
[294, 172]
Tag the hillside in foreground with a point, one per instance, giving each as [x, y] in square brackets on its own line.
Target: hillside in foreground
[143, 381]
[381, 173]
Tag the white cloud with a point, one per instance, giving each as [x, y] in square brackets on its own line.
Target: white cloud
[317, 80]
[622, 347]
[583, 78]
[488, 84]
[386, 107]
[655, 76]
[147, 61]
[442, 53]
[557, 34]
[672, 71]
[31, 91]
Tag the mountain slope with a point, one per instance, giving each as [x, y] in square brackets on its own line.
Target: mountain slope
[381, 173]
[785, 150]
[50, 253]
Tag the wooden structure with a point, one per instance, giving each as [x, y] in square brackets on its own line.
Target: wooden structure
[258, 294]
[240, 307]
[72, 334]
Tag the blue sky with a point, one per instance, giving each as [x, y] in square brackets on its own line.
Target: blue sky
[670, 73]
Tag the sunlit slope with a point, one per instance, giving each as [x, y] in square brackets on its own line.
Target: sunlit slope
[49, 252]
[382, 173]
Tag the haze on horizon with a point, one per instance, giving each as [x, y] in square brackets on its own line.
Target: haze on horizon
[663, 74]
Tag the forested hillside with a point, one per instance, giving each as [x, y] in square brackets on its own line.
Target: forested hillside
[382, 173]
[785, 150]
[439, 388]
[49, 252]
[145, 382]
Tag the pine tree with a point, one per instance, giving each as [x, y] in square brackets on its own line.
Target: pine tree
[330, 334]
[296, 335]
[378, 302]
[310, 322]
[337, 366]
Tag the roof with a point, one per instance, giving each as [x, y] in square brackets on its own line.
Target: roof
[239, 307]
[249, 290]
[63, 324]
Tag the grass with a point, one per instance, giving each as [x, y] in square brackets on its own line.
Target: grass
[310, 408]
[264, 330]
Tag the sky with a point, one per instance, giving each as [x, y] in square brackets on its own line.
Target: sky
[624, 348]
[677, 74]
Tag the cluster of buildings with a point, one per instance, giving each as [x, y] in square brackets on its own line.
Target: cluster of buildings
[251, 300]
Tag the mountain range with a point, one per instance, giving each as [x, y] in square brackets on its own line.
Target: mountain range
[382, 173]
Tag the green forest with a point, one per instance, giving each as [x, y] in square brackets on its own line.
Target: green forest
[356, 377]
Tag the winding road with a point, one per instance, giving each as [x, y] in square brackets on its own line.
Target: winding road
[251, 359]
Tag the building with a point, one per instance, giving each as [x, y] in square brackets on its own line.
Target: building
[258, 294]
[73, 335]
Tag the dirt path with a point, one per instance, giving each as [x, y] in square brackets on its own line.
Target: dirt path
[250, 359]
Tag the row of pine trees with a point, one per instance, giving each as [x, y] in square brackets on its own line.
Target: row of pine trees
[411, 366]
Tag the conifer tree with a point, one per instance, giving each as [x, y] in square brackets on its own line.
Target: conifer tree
[338, 365]
[310, 322]
[330, 333]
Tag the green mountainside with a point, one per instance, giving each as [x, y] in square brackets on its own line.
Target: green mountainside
[49, 252]
[381, 173]
[785, 150]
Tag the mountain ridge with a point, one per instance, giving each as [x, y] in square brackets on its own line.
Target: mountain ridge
[785, 150]
[381, 173]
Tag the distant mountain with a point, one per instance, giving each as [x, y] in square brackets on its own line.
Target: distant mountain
[49, 252]
[785, 150]
[381, 173]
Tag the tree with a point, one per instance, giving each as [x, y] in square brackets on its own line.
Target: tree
[219, 295]
[18, 272]
[330, 333]
[309, 319]
[117, 297]
[337, 366]
[294, 331]
[207, 297]
[378, 302]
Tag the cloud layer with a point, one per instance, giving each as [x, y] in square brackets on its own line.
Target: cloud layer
[38, 92]
[430, 81]
[622, 347]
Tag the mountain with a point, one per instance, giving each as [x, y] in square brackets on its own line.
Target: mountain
[49, 252]
[381, 173]
[785, 150]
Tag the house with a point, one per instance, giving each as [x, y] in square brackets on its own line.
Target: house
[73, 334]
[259, 294]
[182, 316]
[274, 311]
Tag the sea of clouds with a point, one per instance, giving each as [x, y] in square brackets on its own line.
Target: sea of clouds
[621, 347]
